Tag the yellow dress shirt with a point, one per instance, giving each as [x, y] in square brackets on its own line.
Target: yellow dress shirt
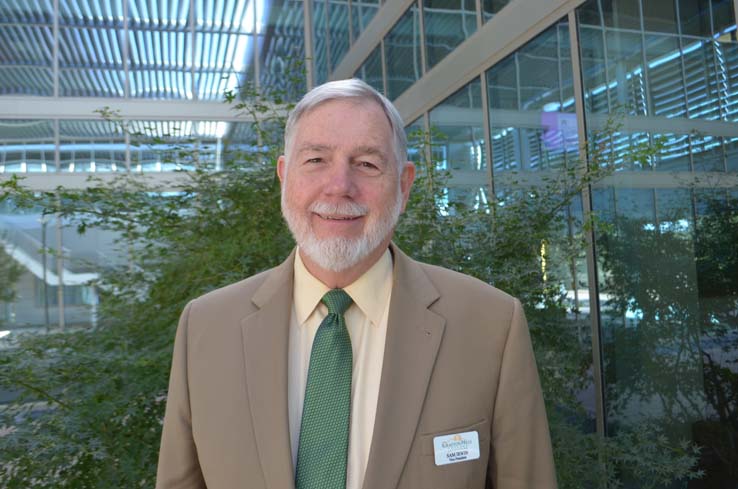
[366, 320]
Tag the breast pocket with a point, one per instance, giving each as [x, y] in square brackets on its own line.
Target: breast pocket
[465, 474]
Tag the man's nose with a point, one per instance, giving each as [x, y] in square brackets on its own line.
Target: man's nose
[340, 180]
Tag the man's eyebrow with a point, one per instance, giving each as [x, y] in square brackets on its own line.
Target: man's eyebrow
[314, 147]
[370, 150]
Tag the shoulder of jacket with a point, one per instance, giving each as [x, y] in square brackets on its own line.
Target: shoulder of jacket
[239, 292]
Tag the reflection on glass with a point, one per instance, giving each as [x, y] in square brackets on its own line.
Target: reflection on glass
[532, 120]
[371, 70]
[668, 281]
[91, 146]
[101, 78]
[282, 50]
[226, 61]
[664, 267]
[320, 41]
[362, 12]
[26, 146]
[160, 59]
[338, 31]
[459, 120]
[415, 133]
[159, 146]
[491, 7]
[402, 53]
[26, 52]
[447, 24]
[731, 154]
[31, 302]
[667, 91]
[630, 73]
[708, 153]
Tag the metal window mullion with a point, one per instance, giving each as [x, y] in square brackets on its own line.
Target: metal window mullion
[350, 23]
[655, 214]
[57, 146]
[559, 74]
[55, 55]
[193, 51]
[594, 302]
[683, 70]
[327, 37]
[646, 77]
[426, 139]
[383, 59]
[127, 139]
[604, 56]
[421, 27]
[486, 123]
[480, 20]
[569, 219]
[309, 48]
[60, 271]
[126, 44]
[255, 50]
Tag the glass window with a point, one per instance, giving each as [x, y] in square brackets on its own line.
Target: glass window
[80, 78]
[320, 41]
[705, 18]
[666, 341]
[92, 146]
[532, 120]
[667, 94]
[282, 49]
[91, 50]
[458, 144]
[362, 12]
[447, 24]
[26, 49]
[160, 51]
[415, 132]
[402, 53]
[660, 16]
[491, 7]
[371, 70]
[26, 146]
[459, 119]
[338, 30]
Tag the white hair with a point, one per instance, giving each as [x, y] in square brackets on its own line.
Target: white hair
[349, 89]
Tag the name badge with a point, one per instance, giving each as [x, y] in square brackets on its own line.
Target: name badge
[457, 447]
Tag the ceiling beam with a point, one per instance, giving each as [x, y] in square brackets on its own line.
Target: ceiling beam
[66, 108]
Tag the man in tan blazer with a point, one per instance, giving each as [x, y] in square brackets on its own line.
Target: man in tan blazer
[445, 390]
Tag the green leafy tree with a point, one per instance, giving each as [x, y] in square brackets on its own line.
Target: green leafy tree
[92, 402]
[10, 272]
[678, 277]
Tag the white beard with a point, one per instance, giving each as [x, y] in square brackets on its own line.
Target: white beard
[338, 253]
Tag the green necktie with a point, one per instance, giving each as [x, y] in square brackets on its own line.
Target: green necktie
[324, 432]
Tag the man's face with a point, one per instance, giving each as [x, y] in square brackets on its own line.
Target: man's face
[341, 189]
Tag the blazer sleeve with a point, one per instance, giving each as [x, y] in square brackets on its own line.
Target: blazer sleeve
[520, 454]
[178, 464]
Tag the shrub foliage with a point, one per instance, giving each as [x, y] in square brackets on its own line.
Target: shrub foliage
[91, 402]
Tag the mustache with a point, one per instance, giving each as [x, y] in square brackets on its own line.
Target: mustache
[351, 209]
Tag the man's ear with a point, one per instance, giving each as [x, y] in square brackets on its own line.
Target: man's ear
[407, 177]
[281, 168]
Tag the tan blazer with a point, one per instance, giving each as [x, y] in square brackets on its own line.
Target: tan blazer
[458, 358]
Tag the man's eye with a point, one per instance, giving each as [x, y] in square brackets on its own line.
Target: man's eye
[315, 160]
[368, 165]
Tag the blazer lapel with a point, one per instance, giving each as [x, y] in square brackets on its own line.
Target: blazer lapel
[413, 336]
[265, 336]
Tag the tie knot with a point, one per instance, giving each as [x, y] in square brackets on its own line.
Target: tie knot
[337, 301]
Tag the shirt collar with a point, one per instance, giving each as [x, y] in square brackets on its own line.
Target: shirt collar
[370, 292]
